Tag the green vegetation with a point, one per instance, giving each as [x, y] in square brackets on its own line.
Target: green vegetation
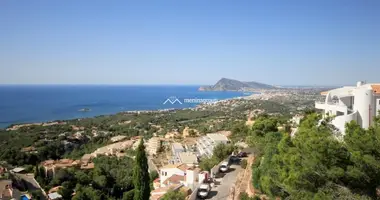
[141, 177]
[110, 179]
[114, 178]
[315, 164]
[174, 195]
[243, 164]
[244, 196]
[220, 153]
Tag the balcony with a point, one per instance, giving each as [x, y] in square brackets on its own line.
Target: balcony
[331, 106]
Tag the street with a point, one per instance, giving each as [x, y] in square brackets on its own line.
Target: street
[223, 186]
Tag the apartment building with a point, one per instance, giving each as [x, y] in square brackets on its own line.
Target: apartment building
[153, 145]
[360, 103]
[52, 166]
[206, 144]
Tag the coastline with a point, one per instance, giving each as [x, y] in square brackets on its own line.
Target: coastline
[64, 121]
[35, 104]
[161, 110]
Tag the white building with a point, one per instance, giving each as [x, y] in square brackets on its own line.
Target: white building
[170, 170]
[359, 103]
[188, 158]
[206, 144]
[178, 174]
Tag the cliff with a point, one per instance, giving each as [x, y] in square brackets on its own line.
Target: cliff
[226, 84]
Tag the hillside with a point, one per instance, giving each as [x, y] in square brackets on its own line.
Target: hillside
[226, 84]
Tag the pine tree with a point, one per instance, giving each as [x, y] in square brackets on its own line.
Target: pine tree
[36, 171]
[141, 177]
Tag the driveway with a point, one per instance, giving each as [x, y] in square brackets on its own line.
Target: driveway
[30, 182]
[224, 184]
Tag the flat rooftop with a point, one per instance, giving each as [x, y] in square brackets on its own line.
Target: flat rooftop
[177, 146]
[188, 158]
[217, 137]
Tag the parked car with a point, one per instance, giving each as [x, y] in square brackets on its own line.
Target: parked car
[234, 160]
[242, 154]
[224, 167]
[203, 191]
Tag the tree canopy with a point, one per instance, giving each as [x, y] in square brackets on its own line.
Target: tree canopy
[315, 163]
[174, 195]
[141, 178]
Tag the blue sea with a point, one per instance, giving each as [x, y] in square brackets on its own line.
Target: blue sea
[41, 103]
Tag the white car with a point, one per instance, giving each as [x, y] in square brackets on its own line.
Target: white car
[224, 167]
[203, 191]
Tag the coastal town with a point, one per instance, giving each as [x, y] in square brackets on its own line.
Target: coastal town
[175, 152]
[195, 156]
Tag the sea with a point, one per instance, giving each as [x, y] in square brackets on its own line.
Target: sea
[42, 103]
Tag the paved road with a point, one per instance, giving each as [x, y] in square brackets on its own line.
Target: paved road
[30, 181]
[222, 189]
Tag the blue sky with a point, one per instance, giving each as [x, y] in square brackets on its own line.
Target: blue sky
[290, 42]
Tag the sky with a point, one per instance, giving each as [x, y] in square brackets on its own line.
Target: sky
[192, 42]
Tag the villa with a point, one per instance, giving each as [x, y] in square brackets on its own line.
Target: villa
[360, 103]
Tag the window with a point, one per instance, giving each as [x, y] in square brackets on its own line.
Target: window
[166, 173]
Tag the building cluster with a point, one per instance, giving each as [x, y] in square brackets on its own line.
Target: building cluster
[177, 177]
[114, 149]
[360, 103]
[206, 144]
[181, 156]
[52, 166]
[183, 172]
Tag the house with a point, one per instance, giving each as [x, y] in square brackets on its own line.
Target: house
[174, 180]
[54, 196]
[296, 119]
[170, 170]
[6, 189]
[156, 183]
[206, 144]
[18, 170]
[30, 149]
[358, 103]
[7, 192]
[52, 166]
[55, 189]
[179, 174]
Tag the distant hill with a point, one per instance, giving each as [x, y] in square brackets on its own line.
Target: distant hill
[226, 84]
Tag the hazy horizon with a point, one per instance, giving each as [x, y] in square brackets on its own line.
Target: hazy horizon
[189, 42]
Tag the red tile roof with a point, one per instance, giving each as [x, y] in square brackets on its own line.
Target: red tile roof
[376, 88]
[175, 179]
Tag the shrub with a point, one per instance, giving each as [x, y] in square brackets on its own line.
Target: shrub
[243, 164]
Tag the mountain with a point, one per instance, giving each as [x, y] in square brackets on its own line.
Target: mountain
[226, 84]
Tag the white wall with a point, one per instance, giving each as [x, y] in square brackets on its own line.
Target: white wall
[377, 102]
[363, 99]
[166, 173]
[191, 178]
[340, 121]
